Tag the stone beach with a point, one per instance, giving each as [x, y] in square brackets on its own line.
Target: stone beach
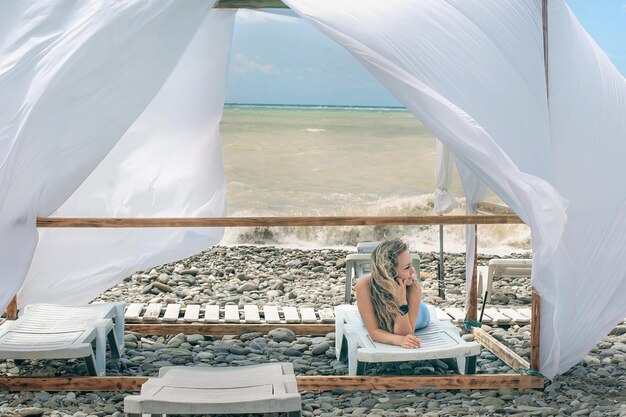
[261, 275]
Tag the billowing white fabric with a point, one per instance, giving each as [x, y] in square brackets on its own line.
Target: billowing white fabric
[444, 171]
[473, 72]
[584, 286]
[74, 76]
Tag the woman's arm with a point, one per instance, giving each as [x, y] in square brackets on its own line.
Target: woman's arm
[405, 324]
[366, 310]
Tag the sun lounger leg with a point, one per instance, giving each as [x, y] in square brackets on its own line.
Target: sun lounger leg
[101, 347]
[351, 341]
[119, 330]
[460, 363]
[340, 349]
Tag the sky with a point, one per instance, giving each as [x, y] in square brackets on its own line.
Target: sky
[278, 59]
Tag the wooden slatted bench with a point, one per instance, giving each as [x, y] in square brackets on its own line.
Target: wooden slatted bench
[156, 313]
[210, 313]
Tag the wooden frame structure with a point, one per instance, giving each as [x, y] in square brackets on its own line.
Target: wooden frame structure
[305, 383]
[313, 383]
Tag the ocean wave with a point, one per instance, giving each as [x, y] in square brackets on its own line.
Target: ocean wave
[492, 239]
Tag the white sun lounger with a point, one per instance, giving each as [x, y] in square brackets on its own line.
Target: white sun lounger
[440, 340]
[359, 264]
[50, 331]
[501, 268]
[265, 388]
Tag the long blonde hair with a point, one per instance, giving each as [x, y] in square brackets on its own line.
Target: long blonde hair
[383, 283]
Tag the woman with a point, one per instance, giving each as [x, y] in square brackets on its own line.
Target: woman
[389, 300]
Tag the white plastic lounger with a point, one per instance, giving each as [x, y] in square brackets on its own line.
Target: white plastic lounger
[359, 264]
[50, 331]
[501, 268]
[265, 388]
[440, 340]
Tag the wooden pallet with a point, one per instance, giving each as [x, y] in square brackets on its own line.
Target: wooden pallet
[494, 315]
[272, 314]
[211, 313]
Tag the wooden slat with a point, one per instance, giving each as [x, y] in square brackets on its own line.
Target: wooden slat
[231, 313]
[192, 313]
[133, 312]
[251, 314]
[212, 313]
[250, 4]
[486, 318]
[308, 315]
[515, 316]
[496, 316]
[227, 329]
[152, 313]
[274, 221]
[327, 315]
[442, 315]
[291, 315]
[457, 314]
[305, 383]
[501, 351]
[171, 312]
[526, 312]
[271, 314]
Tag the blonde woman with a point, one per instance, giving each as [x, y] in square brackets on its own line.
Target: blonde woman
[389, 300]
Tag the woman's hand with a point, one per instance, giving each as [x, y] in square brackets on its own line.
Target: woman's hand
[400, 292]
[410, 341]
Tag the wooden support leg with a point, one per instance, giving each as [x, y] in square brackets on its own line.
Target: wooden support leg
[535, 329]
[11, 312]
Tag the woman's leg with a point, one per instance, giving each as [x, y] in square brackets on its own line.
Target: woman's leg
[423, 317]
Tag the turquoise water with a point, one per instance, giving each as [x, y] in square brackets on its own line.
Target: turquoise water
[326, 161]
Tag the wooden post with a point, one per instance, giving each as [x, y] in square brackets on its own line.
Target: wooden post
[11, 312]
[472, 307]
[535, 331]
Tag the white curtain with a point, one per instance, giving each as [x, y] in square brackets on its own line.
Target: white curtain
[473, 72]
[444, 172]
[74, 76]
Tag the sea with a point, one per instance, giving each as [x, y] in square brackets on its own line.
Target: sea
[340, 161]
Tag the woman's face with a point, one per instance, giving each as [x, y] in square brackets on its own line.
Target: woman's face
[405, 269]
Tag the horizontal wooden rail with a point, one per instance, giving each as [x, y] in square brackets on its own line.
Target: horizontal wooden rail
[274, 221]
[305, 383]
[250, 4]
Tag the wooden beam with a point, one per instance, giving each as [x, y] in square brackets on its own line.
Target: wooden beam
[305, 383]
[273, 221]
[535, 330]
[250, 4]
[400, 383]
[11, 311]
[501, 351]
[227, 328]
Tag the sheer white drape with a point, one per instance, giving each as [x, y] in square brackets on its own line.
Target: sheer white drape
[473, 72]
[74, 76]
[444, 171]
